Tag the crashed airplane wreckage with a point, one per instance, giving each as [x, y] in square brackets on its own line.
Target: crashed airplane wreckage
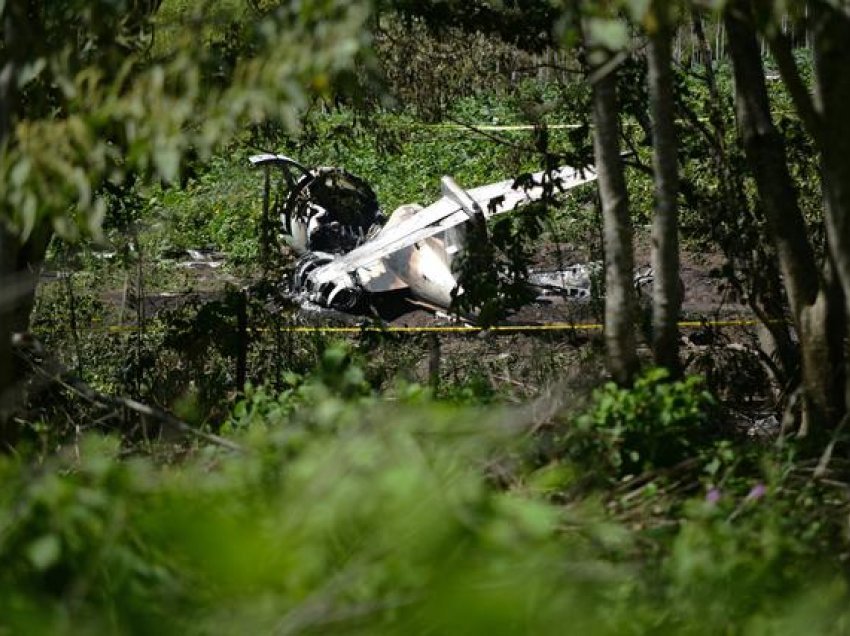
[349, 248]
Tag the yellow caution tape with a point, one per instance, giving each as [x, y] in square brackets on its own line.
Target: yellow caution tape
[518, 127]
[557, 326]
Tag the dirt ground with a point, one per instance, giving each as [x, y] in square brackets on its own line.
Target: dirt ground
[706, 297]
[518, 366]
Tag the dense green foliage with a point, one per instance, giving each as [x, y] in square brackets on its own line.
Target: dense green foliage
[395, 152]
[312, 486]
[350, 513]
[653, 425]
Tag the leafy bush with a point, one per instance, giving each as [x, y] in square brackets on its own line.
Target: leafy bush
[352, 513]
[655, 424]
[336, 381]
[387, 526]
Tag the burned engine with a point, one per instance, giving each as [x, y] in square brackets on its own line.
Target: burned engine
[349, 248]
[332, 211]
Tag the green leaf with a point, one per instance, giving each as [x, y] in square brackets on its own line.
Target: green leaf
[44, 552]
[31, 70]
[168, 162]
[638, 9]
[611, 34]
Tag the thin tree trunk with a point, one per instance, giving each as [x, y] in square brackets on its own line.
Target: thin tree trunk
[813, 119]
[8, 256]
[766, 156]
[242, 341]
[617, 233]
[783, 53]
[20, 262]
[832, 91]
[766, 303]
[766, 153]
[666, 295]
[7, 374]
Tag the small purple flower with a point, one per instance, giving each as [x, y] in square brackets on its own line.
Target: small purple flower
[713, 496]
[758, 491]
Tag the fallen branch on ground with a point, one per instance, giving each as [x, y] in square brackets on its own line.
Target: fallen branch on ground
[51, 370]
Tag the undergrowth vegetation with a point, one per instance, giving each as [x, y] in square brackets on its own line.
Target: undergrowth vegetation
[345, 511]
[363, 498]
[400, 156]
[257, 476]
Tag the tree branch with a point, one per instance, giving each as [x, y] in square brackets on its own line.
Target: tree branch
[780, 47]
[28, 349]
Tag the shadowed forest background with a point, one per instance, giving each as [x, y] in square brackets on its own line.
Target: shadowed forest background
[182, 451]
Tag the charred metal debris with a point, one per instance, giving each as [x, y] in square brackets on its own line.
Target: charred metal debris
[348, 249]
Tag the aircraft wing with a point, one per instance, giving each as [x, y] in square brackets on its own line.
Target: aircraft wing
[566, 179]
[445, 213]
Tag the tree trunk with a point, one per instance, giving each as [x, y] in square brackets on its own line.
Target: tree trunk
[20, 262]
[8, 81]
[7, 374]
[763, 290]
[766, 156]
[617, 233]
[832, 60]
[666, 295]
[20, 267]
